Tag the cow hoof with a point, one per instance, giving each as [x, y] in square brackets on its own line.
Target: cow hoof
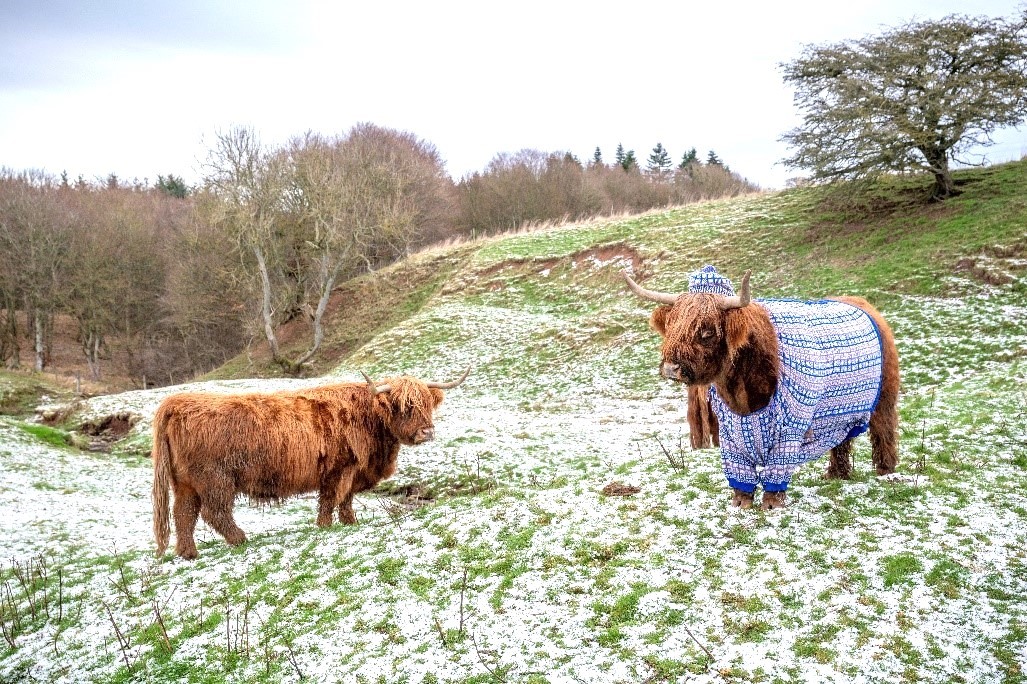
[188, 554]
[834, 475]
[741, 499]
[772, 500]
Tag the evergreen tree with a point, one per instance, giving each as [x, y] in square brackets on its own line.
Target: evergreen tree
[597, 157]
[659, 161]
[713, 160]
[629, 161]
[172, 185]
[619, 156]
[689, 158]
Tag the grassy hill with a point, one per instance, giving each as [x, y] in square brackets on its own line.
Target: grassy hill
[495, 556]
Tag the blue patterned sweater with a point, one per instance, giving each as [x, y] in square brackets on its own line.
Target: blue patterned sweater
[830, 380]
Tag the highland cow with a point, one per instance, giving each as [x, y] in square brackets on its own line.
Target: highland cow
[787, 380]
[338, 440]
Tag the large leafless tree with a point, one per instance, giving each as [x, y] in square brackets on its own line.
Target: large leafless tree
[920, 96]
[322, 207]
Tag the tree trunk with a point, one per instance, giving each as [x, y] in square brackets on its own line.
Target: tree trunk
[938, 162]
[327, 285]
[40, 347]
[943, 186]
[265, 307]
[9, 345]
[92, 350]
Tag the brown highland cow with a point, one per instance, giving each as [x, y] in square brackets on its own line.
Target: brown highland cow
[792, 380]
[338, 440]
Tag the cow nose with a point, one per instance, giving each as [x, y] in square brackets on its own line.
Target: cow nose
[671, 371]
[426, 435]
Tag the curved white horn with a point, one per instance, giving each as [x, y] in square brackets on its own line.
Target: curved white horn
[652, 295]
[739, 301]
[373, 388]
[450, 385]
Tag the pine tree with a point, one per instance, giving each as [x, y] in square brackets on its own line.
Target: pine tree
[172, 185]
[713, 160]
[619, 156]
[597, 157]
[629, 162]
[689, 158]
[659, 161]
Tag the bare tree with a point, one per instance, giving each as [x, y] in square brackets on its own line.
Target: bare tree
[115, 273]
[362, 200]
[250, 182]
[322, 207]
[33, 238]
[920, 96]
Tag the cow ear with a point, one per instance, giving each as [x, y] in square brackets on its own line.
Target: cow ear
[658, 321]
[436, 396]
[736, 325]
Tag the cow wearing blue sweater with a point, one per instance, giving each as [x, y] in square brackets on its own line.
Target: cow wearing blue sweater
[777, 383]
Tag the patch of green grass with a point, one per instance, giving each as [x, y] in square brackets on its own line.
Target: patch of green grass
[900, 568]
[947, 577]
[48, 435]
[816, 644]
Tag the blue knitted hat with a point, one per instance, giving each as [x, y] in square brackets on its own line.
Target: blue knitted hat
[708, 281]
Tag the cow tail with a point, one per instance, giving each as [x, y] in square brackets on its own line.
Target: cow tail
[161, 456]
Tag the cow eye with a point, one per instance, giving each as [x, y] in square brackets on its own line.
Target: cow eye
[707, 334]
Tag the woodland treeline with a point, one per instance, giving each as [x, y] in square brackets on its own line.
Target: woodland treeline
[183, 278]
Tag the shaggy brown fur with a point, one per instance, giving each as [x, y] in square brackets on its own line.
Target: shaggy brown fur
[736, 350]
[338, 440]
[704, 431]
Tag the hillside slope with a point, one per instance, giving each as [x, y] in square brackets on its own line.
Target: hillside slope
[494, 554]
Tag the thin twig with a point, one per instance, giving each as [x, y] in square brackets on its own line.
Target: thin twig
[483, 663]
[699, 644]
[293, 662]
[122, 639]
[463, 588]
[160, 623]
[442, 634]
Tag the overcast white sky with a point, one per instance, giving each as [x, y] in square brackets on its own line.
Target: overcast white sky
[139, 88]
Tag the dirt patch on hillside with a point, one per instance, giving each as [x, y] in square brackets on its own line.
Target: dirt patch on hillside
[996, 265]
[618, 255]
[615, 256]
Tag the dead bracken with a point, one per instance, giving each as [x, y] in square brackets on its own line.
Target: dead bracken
[618, 488]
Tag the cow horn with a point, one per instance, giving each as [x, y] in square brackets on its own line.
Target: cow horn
[373, 388]
[653, 295]
[450, 385]
[738, 301]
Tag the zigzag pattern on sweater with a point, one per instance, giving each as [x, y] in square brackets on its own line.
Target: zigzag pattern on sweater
[830, 380]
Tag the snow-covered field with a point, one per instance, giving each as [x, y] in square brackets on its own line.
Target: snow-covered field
[515, 567]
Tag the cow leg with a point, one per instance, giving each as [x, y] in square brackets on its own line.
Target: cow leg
[346, 514]
[740, 499]
[336, 487]
[772, 500]
[216, 510]
[884, 438]
[840, 465]
[186, 510]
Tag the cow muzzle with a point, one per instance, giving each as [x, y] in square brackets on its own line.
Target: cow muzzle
[674, 371]
[424, 435]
